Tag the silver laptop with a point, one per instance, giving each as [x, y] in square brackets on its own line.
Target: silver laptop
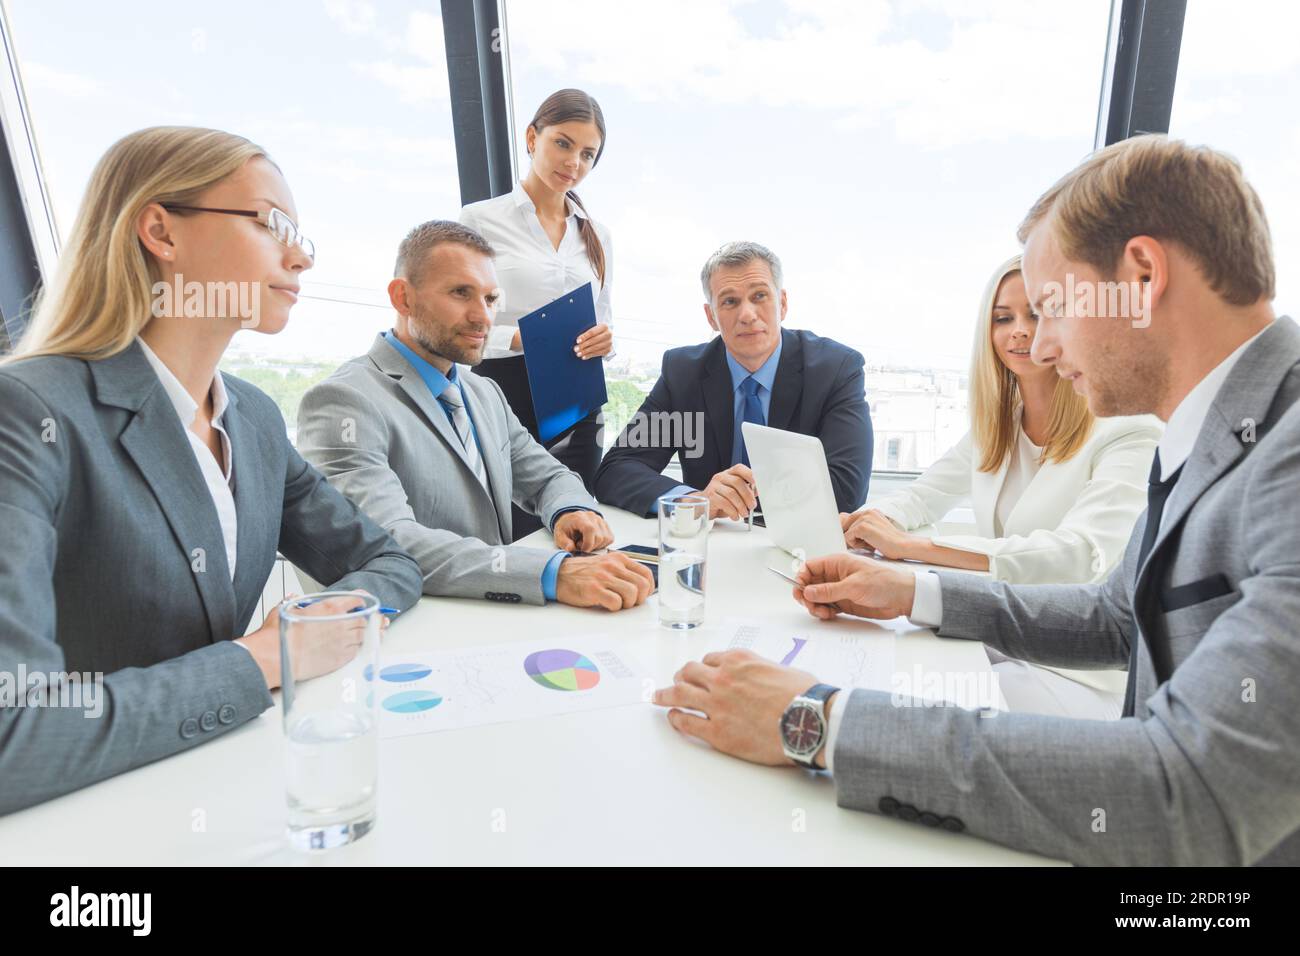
[794, 486]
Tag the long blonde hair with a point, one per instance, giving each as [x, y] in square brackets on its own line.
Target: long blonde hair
[995, 396]
[100, 296]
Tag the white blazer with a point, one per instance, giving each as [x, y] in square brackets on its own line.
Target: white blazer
[1073, 520]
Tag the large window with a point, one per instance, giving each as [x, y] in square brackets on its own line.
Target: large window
[350, 98]
[885, 151]
[1237, 89]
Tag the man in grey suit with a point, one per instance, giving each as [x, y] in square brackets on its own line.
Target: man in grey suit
[1204, 766]
[435, 456]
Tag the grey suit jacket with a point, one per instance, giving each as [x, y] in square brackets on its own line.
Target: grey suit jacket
[113, 561]
[1207, 770]
[376, 432]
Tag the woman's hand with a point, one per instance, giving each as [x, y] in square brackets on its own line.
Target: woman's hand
[332, 646]
[595, 342]
[871, 529]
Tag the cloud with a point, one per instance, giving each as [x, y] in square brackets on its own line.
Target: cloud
[41, 77]
[1243, 38]
[420, 39]
[415, 85]
[956, 75]
[354, 16]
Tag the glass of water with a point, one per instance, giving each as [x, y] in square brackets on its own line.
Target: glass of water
[683, 547]
[329, 648]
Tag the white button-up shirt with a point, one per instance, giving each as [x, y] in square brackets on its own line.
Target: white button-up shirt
[215, 477]
[532, 272]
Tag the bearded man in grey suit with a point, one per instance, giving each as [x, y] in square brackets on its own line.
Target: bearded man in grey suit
[1204, 766]
[435, 456]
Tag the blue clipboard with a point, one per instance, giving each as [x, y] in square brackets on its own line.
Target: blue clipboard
[565, 388]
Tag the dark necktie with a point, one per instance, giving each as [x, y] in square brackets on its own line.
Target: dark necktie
[1158, 493]
[751, 411]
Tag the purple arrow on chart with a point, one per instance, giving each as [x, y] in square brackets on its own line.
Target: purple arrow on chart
[799, 642]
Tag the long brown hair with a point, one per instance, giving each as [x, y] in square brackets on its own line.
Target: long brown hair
[565, 106]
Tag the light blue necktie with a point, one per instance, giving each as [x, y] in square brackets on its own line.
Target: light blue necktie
[452, 398]
[751, 411]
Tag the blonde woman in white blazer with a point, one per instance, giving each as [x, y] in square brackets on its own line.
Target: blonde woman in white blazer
[1055, 491]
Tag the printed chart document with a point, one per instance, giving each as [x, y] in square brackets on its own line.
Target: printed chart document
[445, 690]
[845, 660]
[868, 661]
[565, 388]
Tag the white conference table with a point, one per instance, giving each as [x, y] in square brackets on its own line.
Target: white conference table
[611, 786]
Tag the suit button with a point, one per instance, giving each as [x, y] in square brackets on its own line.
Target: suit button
[209, 720]
[515, 598]
[226, 714]
[888, 806]
[930, 819]
[908, 812]
[189, 728]
[953, 824]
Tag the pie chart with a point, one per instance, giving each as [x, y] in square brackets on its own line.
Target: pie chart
[411, 701]
[402, 673]
[562, 670]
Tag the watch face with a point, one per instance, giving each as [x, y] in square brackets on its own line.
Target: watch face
[801, 729]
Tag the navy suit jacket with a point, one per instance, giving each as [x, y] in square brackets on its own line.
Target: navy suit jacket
[818, 390]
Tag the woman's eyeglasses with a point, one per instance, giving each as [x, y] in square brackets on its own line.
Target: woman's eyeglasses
[278, 222]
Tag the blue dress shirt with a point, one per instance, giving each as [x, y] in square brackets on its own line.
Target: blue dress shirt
[765, 376]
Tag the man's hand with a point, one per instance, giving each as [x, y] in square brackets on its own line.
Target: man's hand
[871, 529]
[582, 531]
[857, 585]
[612, 581]
[742, 697]
[596, 341]
[731, 493]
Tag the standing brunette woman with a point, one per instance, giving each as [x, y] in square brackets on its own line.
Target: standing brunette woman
[546, 245]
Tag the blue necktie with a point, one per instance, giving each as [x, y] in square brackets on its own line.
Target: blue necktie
[751, 411]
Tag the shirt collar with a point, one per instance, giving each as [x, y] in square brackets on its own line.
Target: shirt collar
[525, 201]
[433, 378]
[182, 401]
[1184, 425]
[765, 375]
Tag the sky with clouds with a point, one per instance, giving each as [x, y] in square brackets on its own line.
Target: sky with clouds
[885, 150]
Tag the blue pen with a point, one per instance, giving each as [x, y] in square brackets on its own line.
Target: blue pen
[389, 611]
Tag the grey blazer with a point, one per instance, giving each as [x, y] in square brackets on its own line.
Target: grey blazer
[113, 561]
[376, 432]
[1207, 770]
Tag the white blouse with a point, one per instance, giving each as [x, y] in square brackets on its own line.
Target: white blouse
[215, 478]
[1021, 469]
[533, 272]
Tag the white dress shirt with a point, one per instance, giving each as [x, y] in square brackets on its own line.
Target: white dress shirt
[1175, 447]
[215, 477]
[1185, 423]
[532, 272]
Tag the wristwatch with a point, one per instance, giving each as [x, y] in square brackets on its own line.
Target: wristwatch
[803, 725]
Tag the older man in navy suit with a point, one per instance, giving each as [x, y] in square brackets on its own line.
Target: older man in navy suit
[753, 371]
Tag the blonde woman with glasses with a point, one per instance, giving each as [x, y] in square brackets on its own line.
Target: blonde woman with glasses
[1055, 491]
[143, 494]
